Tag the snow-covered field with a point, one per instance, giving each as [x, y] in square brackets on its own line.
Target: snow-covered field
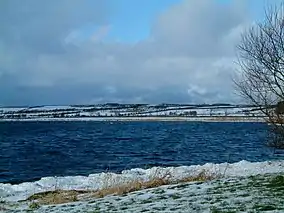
[127, 111]
[240, 187]
[150, 118]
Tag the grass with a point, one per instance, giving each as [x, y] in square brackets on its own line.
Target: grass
[56, 197]
[34, 205]
[153, 183]
[67, 196]
[131, 187]
[3, 209]
[277, 182]
[265, 207]
[258, 193]
[176, 196]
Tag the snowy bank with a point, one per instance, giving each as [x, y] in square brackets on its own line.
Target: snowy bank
[9, 192]
[261, 193]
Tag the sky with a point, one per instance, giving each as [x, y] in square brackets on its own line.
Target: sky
[60, 52]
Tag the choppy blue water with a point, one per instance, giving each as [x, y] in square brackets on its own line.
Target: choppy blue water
[31, 150]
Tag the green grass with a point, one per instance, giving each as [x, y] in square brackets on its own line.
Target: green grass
[159, 191]
[146, 201]
[34, 206]
[257, 193]
[265, 207]
[175, 196]
[277, 182]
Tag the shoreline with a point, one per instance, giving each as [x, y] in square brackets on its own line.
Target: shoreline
[135, 188]
[150, 118]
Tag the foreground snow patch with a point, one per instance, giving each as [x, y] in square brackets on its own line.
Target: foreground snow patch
[22, 191]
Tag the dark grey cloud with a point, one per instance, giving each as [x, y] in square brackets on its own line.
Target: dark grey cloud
[187, 58]
[70, 94]
[39, 23]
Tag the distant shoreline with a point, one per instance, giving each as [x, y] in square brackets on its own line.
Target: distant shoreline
[150, 118]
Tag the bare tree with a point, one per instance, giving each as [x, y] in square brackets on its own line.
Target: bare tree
[261, 62]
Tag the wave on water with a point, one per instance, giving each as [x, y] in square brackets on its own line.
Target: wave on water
[9, 192]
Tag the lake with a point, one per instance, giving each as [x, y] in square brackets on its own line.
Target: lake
[31, 150]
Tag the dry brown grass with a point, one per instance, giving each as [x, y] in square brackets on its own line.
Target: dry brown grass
[201, 177]
[66, 196]
[131, 187]
[153, 183]
[56, 197]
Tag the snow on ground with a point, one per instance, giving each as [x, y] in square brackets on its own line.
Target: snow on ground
[245, 187]
[147, 110]
[165, 118]
[226, 195]
[233, 189]
[49, 108]
[252, 194]
[14, 109]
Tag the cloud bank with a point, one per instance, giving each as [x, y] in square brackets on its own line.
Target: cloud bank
[46, 57]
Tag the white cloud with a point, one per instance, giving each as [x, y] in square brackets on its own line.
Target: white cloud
[187, 58]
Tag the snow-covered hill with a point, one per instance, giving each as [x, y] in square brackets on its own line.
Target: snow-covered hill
[129, 110]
